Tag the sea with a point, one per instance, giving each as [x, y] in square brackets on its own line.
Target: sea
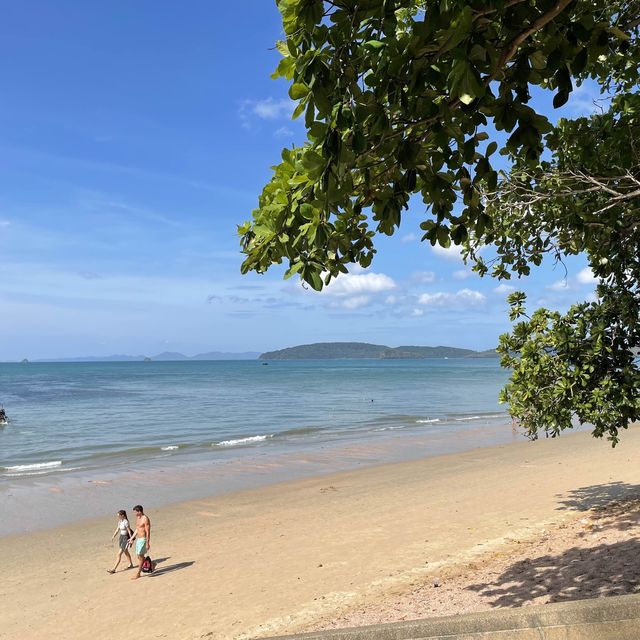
[83, 438]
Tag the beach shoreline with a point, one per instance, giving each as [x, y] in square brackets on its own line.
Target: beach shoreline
[280, 558]
[58, 497]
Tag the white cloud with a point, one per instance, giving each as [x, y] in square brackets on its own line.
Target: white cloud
[586, 100]
[416, 313]
[503, 288]
[89, 275]
[354, 285]
[270, 109]
[410, 237]
[464, 297]
[4, 223]
[62, 287]
[355, 303]
[252, 111]
[462, 274]
[283, 132]
[452, 253]
[354, 290]
[560, 285]
[424, 277]
[586, 276]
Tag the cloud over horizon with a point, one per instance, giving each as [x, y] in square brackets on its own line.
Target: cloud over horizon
[461, 299]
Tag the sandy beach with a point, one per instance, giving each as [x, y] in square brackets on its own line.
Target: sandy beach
[320, 552]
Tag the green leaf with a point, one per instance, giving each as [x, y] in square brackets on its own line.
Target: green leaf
[560, 98]
[315, 280]
[538, 60]
[465, 82]
[298, 91]
[298, 110]
[618, 33]
[312, 160]
[293, 269]
[444, 239]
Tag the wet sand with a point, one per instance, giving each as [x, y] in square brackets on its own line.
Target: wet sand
[290, 556]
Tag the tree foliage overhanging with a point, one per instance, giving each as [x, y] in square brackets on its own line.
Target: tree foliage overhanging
[402, 97]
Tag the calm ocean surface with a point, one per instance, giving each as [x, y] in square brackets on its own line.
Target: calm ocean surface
[86, 439]
[74, 416]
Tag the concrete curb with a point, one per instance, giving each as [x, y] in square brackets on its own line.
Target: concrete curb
[615, 618]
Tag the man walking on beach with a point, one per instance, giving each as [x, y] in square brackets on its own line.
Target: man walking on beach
[142, 536]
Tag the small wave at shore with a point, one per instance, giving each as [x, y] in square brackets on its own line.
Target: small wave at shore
[428, 421]
[171, 447]
[298, 431]
[40, 472]
[487, 416]
[33, 467]
[241, 441]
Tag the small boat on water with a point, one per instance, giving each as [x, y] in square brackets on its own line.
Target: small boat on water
[3, 417]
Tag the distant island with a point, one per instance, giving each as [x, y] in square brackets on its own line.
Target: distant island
[356, 350]
[316, 351]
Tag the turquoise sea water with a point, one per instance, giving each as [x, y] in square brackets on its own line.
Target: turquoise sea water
[86, 439]
[70, 416]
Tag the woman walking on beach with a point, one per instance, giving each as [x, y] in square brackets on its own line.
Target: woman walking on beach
[123, 541]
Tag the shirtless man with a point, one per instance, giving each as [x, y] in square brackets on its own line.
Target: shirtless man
[142, 536]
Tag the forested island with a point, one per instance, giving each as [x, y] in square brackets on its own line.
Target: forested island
[354, 350]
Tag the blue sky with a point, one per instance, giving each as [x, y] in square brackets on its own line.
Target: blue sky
[134, 137]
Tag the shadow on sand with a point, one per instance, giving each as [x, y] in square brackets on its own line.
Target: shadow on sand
[170, 567]
[598, 496]
[580, 572]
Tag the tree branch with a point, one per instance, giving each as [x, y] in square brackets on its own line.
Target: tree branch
[544, 19]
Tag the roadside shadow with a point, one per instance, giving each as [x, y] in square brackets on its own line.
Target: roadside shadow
[171, 567]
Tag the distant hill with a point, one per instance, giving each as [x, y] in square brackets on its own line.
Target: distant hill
[356, 350]
[170, 355]
[327, 351]
[428, 352]
[489, 353]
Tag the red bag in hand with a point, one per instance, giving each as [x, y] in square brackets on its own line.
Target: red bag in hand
[147, 565]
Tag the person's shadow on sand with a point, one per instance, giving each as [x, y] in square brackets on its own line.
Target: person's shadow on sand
[169, 568]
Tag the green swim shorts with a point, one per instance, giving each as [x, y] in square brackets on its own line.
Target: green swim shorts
[141, 546]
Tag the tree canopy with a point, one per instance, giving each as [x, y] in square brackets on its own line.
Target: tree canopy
[403, 98]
